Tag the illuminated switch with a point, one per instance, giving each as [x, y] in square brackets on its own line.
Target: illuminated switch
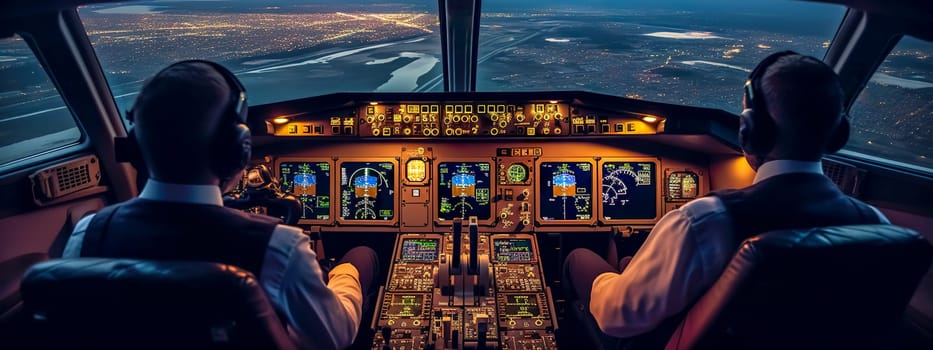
[318, 129]
[306, 129]
[335, 130]
[481, 109]
[620, 127]
[604, 128]
[348, 130]
[591, 128]
[386, 131]
[578, 129]
[531, 131]
[335, 121]
[293, 129]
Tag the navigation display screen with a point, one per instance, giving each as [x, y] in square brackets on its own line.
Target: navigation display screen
[367, 191]
[419, 250]
[629, 190]
[310, 182]
[513, 250]
[683, 185]
[521, 305]
[566, 190]
[463, 190]
[405, 305]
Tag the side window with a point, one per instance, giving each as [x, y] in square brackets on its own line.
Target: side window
[33, 117]
[893, 116]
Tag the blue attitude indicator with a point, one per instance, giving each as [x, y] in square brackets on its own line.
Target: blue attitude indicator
[310, 182]
[629, 190]
[367, 191]
[463, 190]
[566, 190]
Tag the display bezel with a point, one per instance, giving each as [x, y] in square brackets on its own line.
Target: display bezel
[395, 189]
[537, 188]
[278, 172]
[659, 200]
[493, 179]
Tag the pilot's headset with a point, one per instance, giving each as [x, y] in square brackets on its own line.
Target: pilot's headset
[231, 145]
[759, 133]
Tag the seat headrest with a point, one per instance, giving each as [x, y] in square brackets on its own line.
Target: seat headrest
[838, 287]
[177, 302]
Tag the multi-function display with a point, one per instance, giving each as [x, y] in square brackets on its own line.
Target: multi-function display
[565, 191]
[629, 190]
[405, 305]
[463, 190]
[513, 250]
[419, 250]
[522, 306]
[367, 191]
[683, 185]
[310, 182]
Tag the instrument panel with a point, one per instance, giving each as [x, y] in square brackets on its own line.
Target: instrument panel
[511, 194]
[515, 164]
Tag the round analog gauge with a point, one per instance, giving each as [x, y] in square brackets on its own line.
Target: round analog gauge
[416, 170]
[517, 172]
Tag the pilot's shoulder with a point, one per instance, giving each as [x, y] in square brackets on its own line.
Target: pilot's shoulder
[703, 208]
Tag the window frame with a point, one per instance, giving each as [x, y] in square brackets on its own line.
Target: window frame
[79, 146]
[892, 42]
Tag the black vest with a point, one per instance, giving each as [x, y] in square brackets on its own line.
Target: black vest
[156, 230]
[792, 201]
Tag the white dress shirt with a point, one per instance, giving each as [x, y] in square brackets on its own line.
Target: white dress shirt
[319, 315]
[682, 257]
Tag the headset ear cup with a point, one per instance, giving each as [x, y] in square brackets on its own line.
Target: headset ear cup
[127, 150]
[232, 153]
[746, 131]
[840, 136]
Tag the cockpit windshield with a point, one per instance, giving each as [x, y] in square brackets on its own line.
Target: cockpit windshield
[280, 50]
[696, 53]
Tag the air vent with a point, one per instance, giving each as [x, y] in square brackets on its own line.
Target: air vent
[847, 177]
[61, 180]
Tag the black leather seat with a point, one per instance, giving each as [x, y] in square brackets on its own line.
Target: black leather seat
[824, 288]
[136, 304]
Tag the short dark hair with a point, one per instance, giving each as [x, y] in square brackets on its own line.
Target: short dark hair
[176, 115]
[805, 98]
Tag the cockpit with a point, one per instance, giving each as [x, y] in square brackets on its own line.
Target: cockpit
[472, 144]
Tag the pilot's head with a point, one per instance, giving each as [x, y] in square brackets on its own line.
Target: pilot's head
[189, 123]
[793, 110]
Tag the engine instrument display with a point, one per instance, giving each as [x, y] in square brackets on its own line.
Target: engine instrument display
[522, 306]
[310, 182]
[419, 250]
[367, 190]
[405, 305]
[565, 190]
[683, 185]
[463, 190]
[513, 250]
[629, 190]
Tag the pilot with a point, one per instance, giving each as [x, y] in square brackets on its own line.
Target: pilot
[793, 116]
[189, 133]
